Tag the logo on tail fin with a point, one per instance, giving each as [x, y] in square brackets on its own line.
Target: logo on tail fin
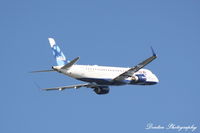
[58, 54]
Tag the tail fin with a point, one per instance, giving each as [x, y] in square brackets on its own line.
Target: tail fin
[58, 54]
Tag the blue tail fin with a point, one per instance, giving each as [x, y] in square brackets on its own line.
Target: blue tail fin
[58, 54]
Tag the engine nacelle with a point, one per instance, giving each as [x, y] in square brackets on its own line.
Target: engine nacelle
[101, 90]
[139, 78]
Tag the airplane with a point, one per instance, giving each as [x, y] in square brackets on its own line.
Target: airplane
[99, 78]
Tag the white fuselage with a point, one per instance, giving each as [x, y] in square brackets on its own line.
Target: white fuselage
[105, 74]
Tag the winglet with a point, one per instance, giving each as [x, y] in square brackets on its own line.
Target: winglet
[154, 54]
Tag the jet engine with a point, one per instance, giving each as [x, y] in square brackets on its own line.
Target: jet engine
[101, 90]
[139, 78]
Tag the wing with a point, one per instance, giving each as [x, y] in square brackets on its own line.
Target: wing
[68, 87]
[134, 69]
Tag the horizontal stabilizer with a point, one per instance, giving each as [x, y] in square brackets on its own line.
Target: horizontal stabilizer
[71, 63]
[43, 71]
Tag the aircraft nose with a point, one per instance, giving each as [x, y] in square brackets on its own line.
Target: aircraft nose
[156, 79]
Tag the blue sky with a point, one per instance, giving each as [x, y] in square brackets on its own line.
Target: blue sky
[104, 32]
